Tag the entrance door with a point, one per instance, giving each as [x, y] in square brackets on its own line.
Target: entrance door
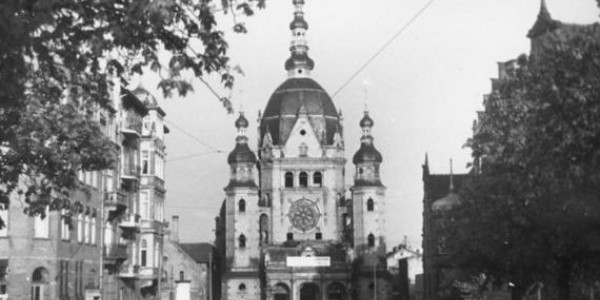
[309, 291]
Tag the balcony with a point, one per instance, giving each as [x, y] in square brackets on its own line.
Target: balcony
[154, 181]
[130, 171]
[114, 253]
[131, 125]
[114, 200]
[152, 226]
[129, 271]
[130, 222]
[148, 272]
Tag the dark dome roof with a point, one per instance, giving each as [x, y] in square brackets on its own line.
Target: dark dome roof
[241, 154]
[294, 96]
[298, 22]
[366, 121]
[367, 153]
[241, 122]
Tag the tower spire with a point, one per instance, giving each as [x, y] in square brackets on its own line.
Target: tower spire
[299, 64]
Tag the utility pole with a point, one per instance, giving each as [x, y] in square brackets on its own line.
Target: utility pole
[101, 242]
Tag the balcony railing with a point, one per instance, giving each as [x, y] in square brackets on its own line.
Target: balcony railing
[148, 272]
[132, 124]
[114, 252]
[130, 221]
[115, 199]
[130, 171]
[153, 180]
[129, 271]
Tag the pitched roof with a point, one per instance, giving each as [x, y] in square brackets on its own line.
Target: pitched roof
[200, 252]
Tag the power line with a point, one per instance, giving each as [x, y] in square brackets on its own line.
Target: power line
[194, 137]
[185, 157]
[396, 35]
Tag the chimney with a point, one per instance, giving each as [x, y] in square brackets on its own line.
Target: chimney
[175, 229]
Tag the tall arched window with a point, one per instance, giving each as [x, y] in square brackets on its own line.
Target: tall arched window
[318, 179]
[242, 241]
[303, 179]
[263, 224]
[289, 179]
[371, 240]
[242, 205]
[370, 204]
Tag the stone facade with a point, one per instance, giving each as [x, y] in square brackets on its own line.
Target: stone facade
[296, 234]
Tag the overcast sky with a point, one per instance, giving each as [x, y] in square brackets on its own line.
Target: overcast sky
[423, 92]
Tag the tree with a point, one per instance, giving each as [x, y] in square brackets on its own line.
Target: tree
[54, 50]
[532, 214]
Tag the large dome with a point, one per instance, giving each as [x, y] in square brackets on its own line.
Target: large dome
[298, 96]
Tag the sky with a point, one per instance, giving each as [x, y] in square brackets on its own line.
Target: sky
[423, 92]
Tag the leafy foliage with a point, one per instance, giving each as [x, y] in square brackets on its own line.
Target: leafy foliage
[533, 213]
[57, 58]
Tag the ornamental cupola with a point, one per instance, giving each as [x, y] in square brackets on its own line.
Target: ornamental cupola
[299, 64]
[242, 160]
[367, 159]
[299, 95]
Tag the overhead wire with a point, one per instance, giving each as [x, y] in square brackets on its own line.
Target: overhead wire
[205, 144]
[382, 48]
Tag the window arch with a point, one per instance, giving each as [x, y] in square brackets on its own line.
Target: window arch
[303, 179]
[371, 240]
[289, 179]
[242, 205]
[39, 279]
[242, 241]
[318, 179]
[370, 204]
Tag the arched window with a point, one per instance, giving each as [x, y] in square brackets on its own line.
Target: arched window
[242, 205]
[39, 279]
[370, 204]
[181, 276]
[289, 179]
[290, 236]
[318, 179]
[263, 224]
[242, 241]
[303, 179]
[144, 253]
[371, 240]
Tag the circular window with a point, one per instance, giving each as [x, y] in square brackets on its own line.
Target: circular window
[302, 132]
[242, 287]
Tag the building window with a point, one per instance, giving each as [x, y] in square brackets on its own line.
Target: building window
[145, 162]
[144, 253]
[370, 204]
[65, 229]
[181, 276]
[39, 280]
[290, 236]
[319, 236]
[303, 179]
[318, 179]
[242, 206]
[40, 225]
[371, 240]
[80, 227]
[242, 241]
[289, 179]
[86, 229]
[145, 205]
[3, 281]
[242, 287]
[93, 230]
[4, 217]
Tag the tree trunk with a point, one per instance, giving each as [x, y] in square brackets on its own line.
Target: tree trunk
[563, 280]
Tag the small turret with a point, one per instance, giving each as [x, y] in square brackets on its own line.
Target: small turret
[367, 159]
[241, 159]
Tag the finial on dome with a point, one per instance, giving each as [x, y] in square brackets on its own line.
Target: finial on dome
[299, 64]
[241, 121]
[366, 120]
